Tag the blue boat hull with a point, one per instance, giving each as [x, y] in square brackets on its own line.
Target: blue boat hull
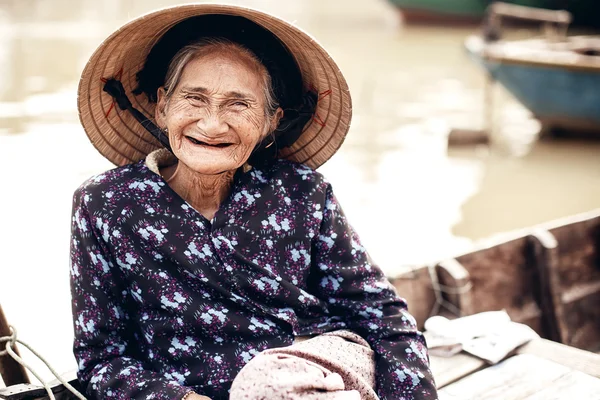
[567, 99]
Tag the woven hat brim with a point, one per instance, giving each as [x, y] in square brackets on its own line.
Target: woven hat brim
[120, 138]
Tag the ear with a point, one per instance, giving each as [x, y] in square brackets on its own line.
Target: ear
[160, 109]
[275, 120]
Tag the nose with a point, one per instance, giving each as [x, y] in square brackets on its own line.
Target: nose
[212, 124]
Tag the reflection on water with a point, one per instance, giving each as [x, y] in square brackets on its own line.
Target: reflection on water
[411, 198]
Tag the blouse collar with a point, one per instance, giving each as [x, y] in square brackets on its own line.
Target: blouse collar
[159, 158]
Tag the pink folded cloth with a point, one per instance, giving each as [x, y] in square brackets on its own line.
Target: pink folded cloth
[336, 365]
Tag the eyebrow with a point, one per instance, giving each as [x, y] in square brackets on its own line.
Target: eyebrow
[233, 94]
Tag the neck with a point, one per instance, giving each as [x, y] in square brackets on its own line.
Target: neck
[203, 192]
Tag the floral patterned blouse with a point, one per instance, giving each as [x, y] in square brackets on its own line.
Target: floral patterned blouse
[165, 301]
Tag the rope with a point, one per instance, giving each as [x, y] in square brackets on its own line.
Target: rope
[439, 290]
[10, 343]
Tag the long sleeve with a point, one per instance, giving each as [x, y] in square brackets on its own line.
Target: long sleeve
[357, 290]
[107, 368]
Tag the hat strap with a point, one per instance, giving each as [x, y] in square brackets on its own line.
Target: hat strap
[291, 126]
[115, 88]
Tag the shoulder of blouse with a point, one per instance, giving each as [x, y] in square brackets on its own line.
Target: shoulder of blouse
[117, 176]
[112, 181]
[288, 173]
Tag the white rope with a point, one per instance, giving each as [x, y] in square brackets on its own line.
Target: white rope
[10, 342]
[439, 290]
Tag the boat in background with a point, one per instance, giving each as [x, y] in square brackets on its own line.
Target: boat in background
[440, 12]
[557, 77]
[460, 12]
[448, 11]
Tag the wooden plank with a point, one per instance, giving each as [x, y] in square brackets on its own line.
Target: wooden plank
[447, 370]
[578, 281]
[415, 287]
[530, 13]
[456, 284]
[11, 372]
[582, 291]
[545, 258]
[580, 360]
[513, 379]
[574, 385]
[503, 276]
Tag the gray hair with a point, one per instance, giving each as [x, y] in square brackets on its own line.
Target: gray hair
[191, 51]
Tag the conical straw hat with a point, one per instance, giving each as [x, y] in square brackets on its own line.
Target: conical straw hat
[119, 137]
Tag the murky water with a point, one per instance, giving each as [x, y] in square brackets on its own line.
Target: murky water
[411, 198]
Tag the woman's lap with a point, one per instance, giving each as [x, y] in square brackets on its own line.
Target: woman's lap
[332, 366]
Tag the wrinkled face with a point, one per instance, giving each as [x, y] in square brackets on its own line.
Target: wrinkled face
[216, 114]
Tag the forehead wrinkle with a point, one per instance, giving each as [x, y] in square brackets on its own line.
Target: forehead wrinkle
[231, 94]
[223, 63]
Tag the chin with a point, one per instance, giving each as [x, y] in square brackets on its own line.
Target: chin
[208, 166]
[209, 162]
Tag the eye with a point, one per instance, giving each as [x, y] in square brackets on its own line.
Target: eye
[194, 97]
[240, 104]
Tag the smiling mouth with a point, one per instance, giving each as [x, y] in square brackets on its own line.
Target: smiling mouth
[201, 143]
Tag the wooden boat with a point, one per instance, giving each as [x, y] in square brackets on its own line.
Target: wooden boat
[547, 277]
[472, 11]
[556, 77]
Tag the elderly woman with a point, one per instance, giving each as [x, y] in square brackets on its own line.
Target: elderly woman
[214, 262]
